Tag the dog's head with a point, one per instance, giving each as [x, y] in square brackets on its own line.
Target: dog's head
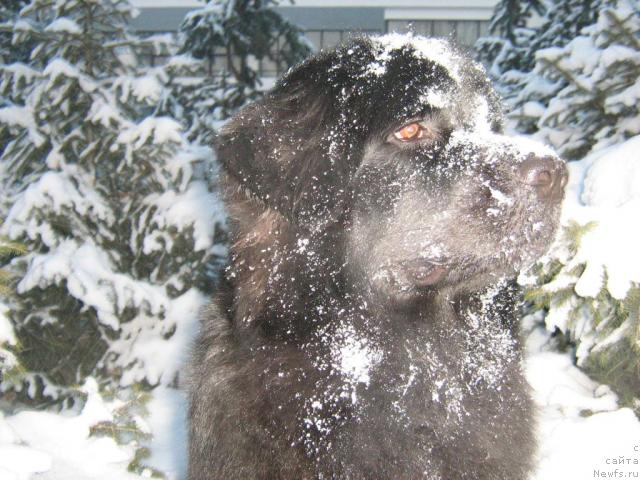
[398, 138]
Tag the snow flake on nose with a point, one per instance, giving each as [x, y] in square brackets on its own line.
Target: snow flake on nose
[495, 148]
[498, 195]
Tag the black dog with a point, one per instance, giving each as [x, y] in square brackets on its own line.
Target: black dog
[367, 329]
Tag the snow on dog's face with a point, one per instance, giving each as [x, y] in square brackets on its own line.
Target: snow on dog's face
[399, 139]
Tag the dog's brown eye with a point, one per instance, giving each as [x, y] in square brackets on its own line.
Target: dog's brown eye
[408, 132]
[412, 132]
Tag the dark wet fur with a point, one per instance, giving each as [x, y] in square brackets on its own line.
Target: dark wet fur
[325, 214]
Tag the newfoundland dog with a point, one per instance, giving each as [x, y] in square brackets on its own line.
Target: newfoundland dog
[367, 326]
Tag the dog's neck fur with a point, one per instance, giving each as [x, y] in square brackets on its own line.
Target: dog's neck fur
[269, 251]
[272, 304]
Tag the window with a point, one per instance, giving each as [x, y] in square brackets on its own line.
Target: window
[330, 38]
[156, 53]
[464, 32]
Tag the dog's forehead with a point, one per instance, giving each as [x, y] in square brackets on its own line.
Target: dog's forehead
[435, 50]
[410, 75]
[406, 73]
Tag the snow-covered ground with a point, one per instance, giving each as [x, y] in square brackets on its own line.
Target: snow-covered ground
[583, 432]
[43, 445]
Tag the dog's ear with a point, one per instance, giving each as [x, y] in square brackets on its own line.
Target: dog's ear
[293, 149]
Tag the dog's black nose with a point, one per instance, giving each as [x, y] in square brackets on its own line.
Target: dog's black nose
[547, 175]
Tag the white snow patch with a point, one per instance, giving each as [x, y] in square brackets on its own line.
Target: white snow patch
[518, 147]
[22, 117]
[434, 49]
[499, 195]
[55, 192]
[22, 26]
[146, 88]
[58, 67]
[160, 129]
[436, 98]
[581, 428]
[614, 176]
[104, 113]
[7, 335]
[90, 277]
[354, 356]
[143, 348]
[63, 25]
[18, 462]
[196, 207]
[56, 447]
[481, 115]
[355, 361]
[168, 423]
[603, 188]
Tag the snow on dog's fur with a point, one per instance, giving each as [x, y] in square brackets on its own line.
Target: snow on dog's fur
[366, 328]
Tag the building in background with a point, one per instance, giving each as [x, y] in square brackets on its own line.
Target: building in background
[328, 22]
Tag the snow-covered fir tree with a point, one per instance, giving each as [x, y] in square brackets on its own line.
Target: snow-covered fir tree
[111, 201]
[9, 10]
[510, 34]
[233, 36]
[9, 365]
[518, 31]
[589, 286]
[591, 85]
[8, 250]
[194, 98]
[583, 99]
[563, 20]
